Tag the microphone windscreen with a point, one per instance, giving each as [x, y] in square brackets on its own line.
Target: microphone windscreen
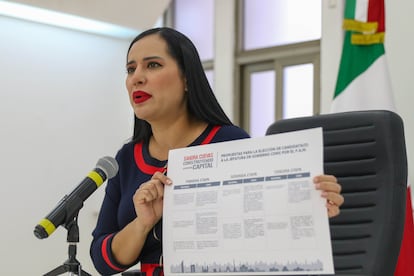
[109, 165]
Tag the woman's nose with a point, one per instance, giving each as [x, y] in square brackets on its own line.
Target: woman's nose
[138, 77]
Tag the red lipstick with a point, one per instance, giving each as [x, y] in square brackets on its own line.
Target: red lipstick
[140, 96]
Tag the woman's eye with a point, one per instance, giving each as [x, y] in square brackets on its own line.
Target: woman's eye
[130, 70]
[153, 64]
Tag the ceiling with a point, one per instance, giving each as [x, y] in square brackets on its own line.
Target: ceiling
[132, 14]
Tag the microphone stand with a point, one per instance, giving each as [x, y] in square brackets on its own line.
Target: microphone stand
[71, 265]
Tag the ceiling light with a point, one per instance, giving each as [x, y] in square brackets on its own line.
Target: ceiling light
[64, 20]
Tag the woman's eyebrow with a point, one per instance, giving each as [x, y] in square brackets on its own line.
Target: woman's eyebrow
[151, 57]
[144, 59]
[130, 62]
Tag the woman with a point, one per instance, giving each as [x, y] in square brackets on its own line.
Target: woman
[174, 107]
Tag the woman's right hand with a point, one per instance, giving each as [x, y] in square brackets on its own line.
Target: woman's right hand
[148, 199]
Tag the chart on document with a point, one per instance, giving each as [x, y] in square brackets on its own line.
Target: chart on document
[247, 207]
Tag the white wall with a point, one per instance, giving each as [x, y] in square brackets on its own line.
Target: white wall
[224, 43]
[399, 43]
[63, 106]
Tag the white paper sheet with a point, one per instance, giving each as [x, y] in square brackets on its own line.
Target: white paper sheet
[247, 207]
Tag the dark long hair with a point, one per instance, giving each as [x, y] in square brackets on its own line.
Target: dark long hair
[201, 101]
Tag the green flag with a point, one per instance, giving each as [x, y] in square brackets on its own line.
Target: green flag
[363, 80]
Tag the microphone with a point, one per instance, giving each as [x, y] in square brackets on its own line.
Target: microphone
[69, 206]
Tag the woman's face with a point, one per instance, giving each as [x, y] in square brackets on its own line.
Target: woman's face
[154, 81]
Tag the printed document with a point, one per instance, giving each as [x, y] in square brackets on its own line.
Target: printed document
[247, 207]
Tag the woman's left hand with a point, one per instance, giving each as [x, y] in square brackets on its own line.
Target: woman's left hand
[331, 190]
